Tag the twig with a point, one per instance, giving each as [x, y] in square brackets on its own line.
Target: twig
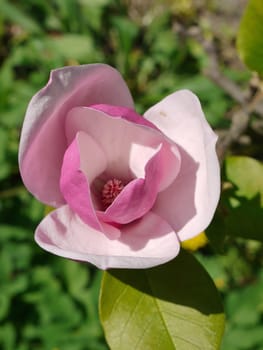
[232, 89]
[240, 118]
[239, 124]
[246, 100]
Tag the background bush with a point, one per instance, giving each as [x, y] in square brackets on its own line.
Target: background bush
[47, 302]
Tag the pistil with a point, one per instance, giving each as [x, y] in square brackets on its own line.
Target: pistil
[110, 191]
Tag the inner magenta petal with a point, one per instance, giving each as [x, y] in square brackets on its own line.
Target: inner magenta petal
[132, 203]
[76, 177]
[138, 197]
[123, 112]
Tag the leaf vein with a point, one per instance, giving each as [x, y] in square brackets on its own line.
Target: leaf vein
[132, 314]
[159, 310]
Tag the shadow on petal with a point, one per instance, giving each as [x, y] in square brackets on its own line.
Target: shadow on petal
[146, 232]
[176, 204]
[147, 243]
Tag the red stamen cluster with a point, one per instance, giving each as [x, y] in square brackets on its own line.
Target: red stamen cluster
[110, 191]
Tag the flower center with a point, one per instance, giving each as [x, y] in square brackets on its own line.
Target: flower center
[110, 191]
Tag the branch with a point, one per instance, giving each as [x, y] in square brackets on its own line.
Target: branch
[240, 118]
[239, 124]
[232, 89]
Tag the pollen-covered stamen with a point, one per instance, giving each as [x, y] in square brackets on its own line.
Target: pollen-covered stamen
[110, 191]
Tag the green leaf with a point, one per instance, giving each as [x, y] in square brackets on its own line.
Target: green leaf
[250, 36]
[245, 200]
[127, 32]
[247, 175]
[173, 306]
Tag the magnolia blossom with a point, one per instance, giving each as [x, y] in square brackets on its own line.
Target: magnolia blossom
[126, 188]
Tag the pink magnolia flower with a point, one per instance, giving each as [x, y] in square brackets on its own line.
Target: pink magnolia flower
[126, 188]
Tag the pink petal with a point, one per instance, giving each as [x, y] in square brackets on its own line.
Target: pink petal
[83, 162]
[43, 141]
[123, 112]
[145, 243]
[138, 197]
[117, 138]
[189, 203]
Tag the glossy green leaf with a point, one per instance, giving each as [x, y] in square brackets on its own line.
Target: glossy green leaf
[250, 36]
[245, 201]
[173, 306]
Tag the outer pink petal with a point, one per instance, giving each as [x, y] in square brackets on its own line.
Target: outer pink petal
[83, 161]
[145, 243]
[43, 141]
[189, 203]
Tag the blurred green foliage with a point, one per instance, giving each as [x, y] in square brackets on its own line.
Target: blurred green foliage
[250, 36]
[49, 303]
